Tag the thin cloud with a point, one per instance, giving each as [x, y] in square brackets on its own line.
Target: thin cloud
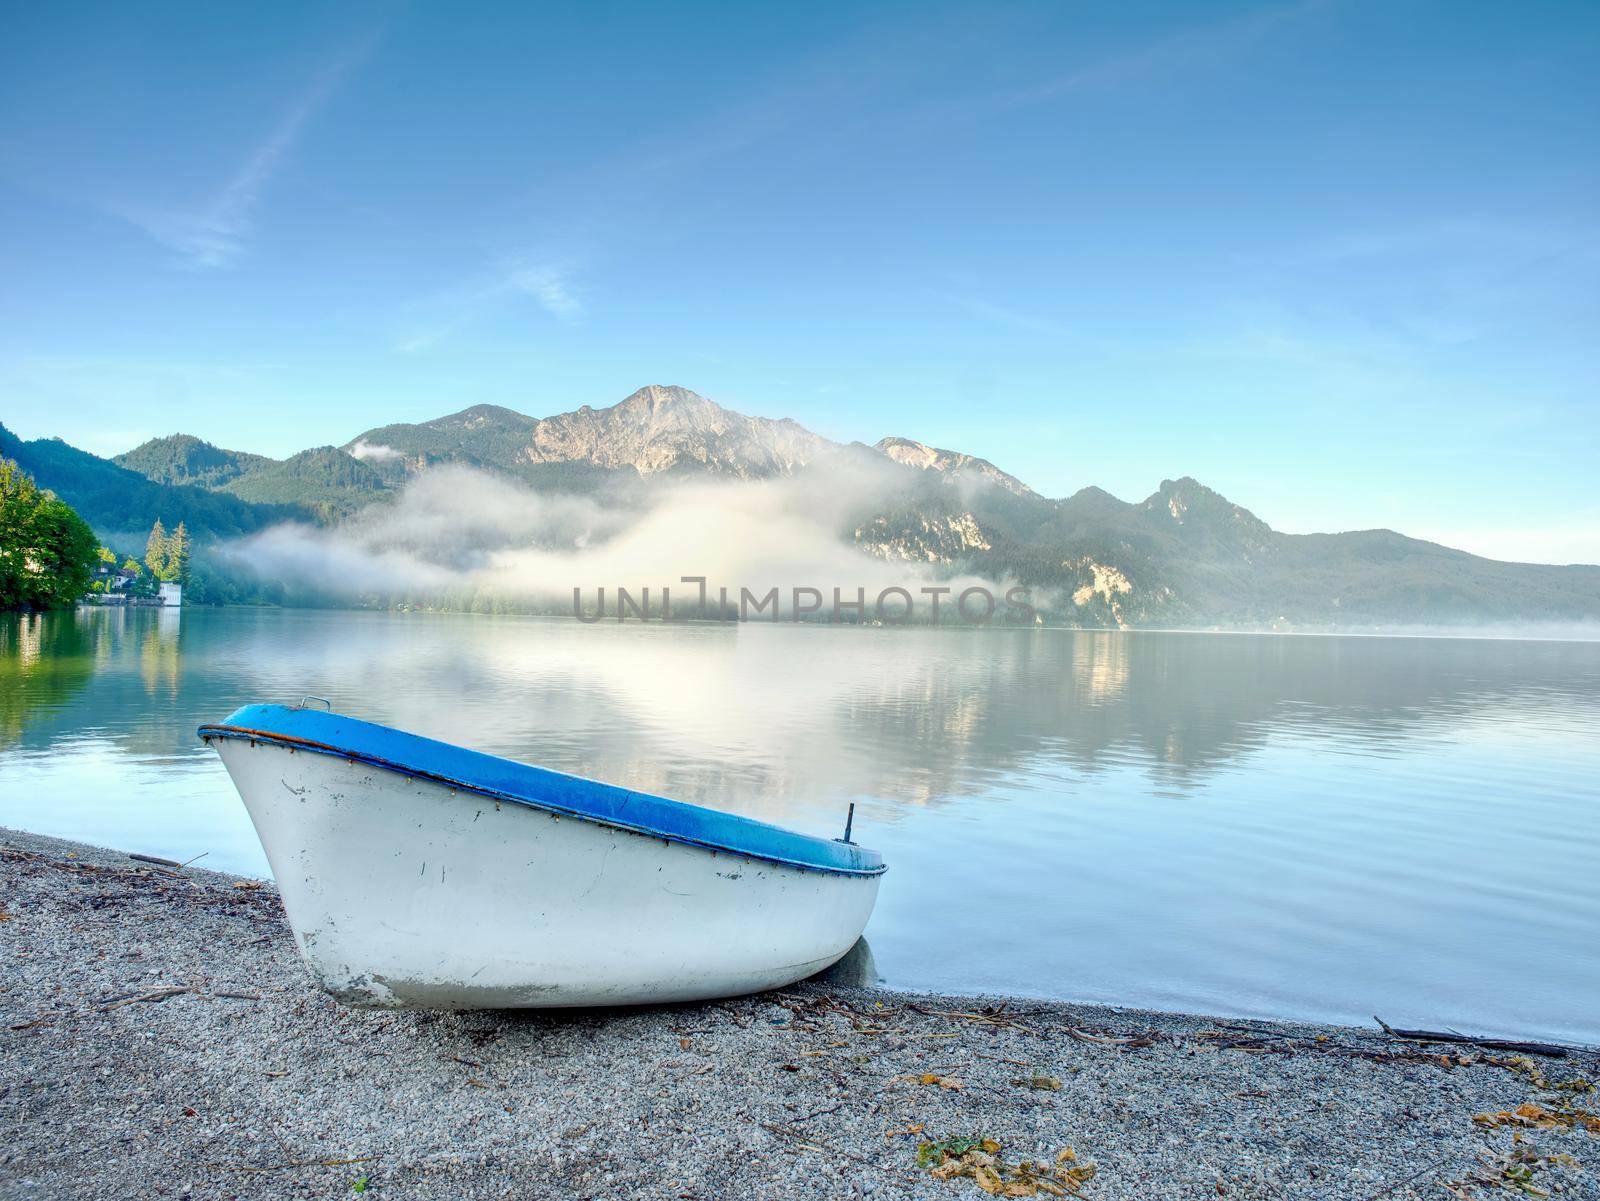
[1454, 280]
[1000, 314]
[217, 234]
[856, 81]
[374, 452]
[1212, 44]
[549, 285]
[417, 343]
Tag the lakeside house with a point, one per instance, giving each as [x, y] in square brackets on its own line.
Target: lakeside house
[115, 579]
[118, 585]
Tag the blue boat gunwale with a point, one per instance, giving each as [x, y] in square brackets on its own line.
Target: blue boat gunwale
[696, 825]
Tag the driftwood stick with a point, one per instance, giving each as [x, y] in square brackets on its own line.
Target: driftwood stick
[160, 994]
[1388, 1189]
[1552, 1050]
[817, 1113]
[296, 1163]
[810, 1144]
[156, 859]
[1133, 1041]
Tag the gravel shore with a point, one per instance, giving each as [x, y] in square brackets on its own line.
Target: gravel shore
[162, 1040]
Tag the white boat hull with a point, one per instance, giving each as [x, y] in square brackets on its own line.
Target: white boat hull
[407, 893]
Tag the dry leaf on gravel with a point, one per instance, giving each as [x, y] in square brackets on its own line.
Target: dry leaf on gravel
[1521, 1065]
[1532, 1114]
[947, 1082]
[1045, 1083]
[1512, 1171]
[978, 1159]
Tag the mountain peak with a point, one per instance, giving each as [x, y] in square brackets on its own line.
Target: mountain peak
[480, 416]
[176, 444]
[1204, 514]
[659, 398]
[186, 459]
[663, 427]
[952, 464]
[1093, 493]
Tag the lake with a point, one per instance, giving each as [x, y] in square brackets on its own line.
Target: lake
[1252, 825]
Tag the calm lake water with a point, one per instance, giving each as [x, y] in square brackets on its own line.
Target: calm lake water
[1231, 824]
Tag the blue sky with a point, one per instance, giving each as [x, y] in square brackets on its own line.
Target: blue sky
[1338, 260]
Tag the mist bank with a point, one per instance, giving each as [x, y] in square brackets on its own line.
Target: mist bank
[832, 543]
[781, 549]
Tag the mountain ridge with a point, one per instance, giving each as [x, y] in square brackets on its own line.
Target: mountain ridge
[1185, 554]
[116, 500]
[952, 465]
[659, 428]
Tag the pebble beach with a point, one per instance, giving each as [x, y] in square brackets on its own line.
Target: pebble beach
[161, 1039]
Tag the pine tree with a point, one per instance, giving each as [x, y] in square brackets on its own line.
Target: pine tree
[156, 551]
[178, 556]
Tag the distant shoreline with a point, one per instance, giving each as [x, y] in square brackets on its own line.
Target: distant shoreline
[1557, 632]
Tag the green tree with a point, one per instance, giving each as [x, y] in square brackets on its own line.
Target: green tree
[106, 558]
[156, 550]
[178, 556]
[47, 552]
[144, 582]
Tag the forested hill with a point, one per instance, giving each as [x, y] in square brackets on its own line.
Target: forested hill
[115, 500]
[324, 482]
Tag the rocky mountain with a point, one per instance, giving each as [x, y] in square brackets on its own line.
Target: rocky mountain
[1185, 555]
[953, 466]
[656, 430]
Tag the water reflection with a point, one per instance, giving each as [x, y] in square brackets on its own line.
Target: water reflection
[47, 659]
[1193, 820]
[42, 662]
[904, 715]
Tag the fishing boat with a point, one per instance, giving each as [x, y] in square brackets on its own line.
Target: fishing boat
[421, 874]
